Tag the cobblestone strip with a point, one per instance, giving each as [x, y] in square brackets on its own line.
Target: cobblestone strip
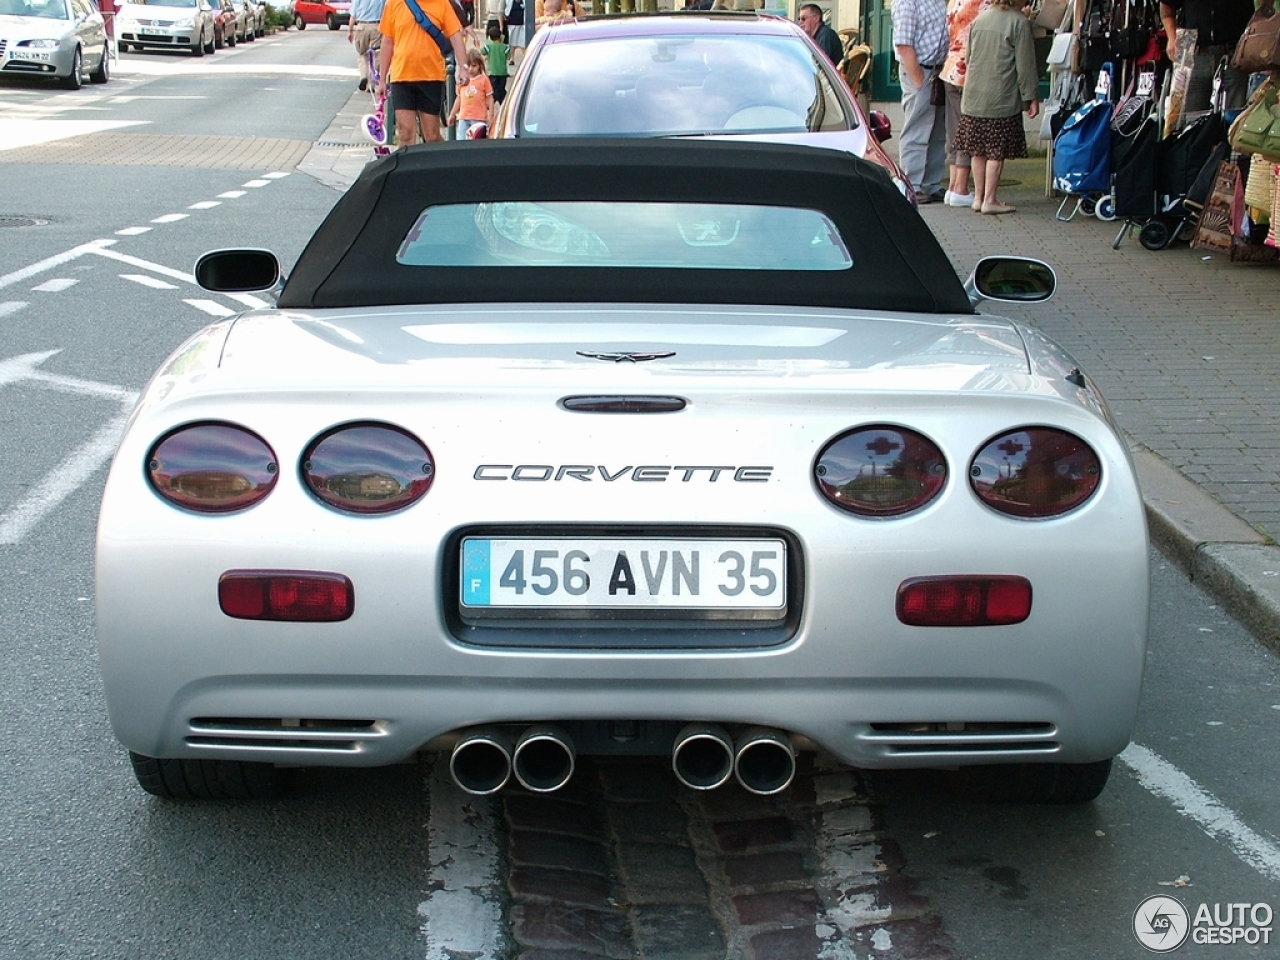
[626, 863]
[807, 874]
[156, 150]
[562, 875]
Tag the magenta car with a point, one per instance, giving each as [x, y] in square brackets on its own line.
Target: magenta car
[688, 74]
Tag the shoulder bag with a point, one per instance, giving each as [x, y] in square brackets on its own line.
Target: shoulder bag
[1257, 130]
[1258, 49]
[425, 23]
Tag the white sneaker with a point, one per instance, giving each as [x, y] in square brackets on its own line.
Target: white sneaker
[959, 199]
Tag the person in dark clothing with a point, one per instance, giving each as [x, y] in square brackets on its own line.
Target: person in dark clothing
[810, 20]
[1218, 25]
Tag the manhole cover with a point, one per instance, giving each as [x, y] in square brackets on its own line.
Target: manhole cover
[8, 220]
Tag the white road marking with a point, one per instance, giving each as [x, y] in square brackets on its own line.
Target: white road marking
[56, 260]
[212, 308]
[232, 194]
[132, 231]
[146, 265]
[275, 174]
[22, 367]
[1191, 800]
[18, 132]
[249, 300]
[62, 481]
[88, 388]
[462, 915]
[256, 183]
[11, 306]
[69, 475]
[56, 285]
[171, 218]
[204, 205]
[147, 281]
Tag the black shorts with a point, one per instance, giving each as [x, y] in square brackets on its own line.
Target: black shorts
[422, 96]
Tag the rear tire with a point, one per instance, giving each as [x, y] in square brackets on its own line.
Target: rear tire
[299, 22]
[1056, 783]
[103, 73]
[208, 779]
[332, 21]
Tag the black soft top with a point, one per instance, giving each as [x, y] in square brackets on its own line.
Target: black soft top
[897, 263]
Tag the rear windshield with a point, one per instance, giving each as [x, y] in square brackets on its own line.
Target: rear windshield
[653, 235]
[679, 85]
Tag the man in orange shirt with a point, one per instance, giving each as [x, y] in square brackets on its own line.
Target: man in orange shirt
[412, 64]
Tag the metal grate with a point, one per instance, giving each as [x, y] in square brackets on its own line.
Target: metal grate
[8, 220]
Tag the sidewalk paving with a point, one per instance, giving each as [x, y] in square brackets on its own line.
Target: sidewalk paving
[1184, 344]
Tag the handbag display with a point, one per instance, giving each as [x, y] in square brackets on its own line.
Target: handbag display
[1257, 129]
[1258, 49]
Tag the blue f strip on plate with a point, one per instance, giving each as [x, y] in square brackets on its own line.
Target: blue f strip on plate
[475, 573]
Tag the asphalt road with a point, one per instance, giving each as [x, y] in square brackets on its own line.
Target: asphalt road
[391, 863]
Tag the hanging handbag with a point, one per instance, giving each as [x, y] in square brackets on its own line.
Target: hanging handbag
[1257, 129]
[1050, 14]
[1258, 49]
[1213, 226]
[1257, 186]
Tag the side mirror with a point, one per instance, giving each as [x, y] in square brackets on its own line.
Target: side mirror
[1012, 280]
[881, 128]
[238, 271]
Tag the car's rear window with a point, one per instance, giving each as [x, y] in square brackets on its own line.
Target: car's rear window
[678, 85]
[653, 235]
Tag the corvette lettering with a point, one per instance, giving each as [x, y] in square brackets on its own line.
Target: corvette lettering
[644, 473]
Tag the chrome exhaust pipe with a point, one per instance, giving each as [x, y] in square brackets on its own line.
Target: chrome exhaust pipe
[543, 759]
[481, 761]
[702, 756]
[764, 761]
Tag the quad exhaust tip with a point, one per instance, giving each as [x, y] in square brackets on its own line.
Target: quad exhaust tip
[764, 760]
[702, 756]
[481, 761]
[543, 760]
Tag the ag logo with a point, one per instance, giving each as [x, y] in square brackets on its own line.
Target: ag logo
[1161, 924]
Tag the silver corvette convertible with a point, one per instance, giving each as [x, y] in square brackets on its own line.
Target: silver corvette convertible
[698, 449]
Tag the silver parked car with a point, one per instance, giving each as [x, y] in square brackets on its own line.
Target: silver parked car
[61, 39]
[695, 448]
[167, 25]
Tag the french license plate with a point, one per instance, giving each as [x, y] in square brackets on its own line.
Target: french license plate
[151, 32]
[716, 577]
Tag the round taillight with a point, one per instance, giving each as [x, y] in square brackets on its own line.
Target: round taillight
[212, 467]
[368, 468]
[1035, 472]
[880, 471]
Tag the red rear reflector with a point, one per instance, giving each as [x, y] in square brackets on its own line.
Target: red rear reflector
[964, 601]
[286, 595]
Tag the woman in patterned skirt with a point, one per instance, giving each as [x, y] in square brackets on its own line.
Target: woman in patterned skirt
[1001, 81]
